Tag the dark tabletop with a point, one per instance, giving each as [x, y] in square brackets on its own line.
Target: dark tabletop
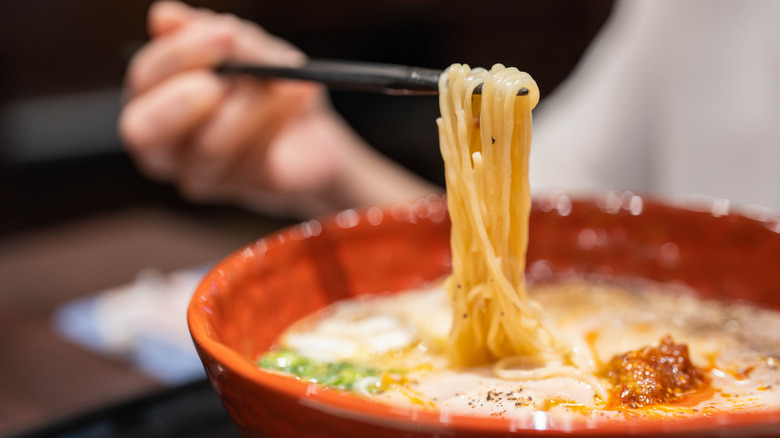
[50, 387]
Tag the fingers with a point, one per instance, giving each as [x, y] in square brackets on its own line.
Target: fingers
[154, 124]
[206, 133]
[242, 129]
[254, 44]
[219, 144]
[196, 46]
[198, 39]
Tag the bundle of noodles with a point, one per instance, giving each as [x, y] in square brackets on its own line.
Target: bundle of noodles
[485, 143]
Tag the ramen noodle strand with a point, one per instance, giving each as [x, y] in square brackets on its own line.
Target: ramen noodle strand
[485, 142]
[517, 368]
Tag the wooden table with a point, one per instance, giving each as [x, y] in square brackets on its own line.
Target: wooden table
[43, 377]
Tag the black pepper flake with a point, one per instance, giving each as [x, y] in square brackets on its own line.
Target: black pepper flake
[493, 140]
[494, 394]
[465, 315]
[530, 398]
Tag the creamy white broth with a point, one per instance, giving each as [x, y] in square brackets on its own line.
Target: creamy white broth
[737, 345]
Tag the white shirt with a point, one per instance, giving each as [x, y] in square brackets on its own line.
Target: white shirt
[673, 97]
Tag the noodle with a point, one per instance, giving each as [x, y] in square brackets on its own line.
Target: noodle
[485, 143]
[390, 347]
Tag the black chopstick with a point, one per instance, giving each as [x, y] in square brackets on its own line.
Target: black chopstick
[353, 76]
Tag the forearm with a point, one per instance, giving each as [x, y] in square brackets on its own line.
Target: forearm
[369, 178]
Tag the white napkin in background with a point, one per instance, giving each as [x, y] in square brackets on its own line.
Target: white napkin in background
[144, 323]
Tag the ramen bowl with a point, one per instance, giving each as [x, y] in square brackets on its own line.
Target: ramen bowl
[247, 300]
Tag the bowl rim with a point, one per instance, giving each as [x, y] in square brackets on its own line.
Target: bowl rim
[355, 407]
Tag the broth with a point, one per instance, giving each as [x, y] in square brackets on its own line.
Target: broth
[393, 347]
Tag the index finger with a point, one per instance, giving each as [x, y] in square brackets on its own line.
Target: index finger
[194, 46]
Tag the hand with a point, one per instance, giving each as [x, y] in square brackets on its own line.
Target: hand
[273, 146]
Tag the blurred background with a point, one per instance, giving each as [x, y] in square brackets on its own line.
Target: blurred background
[76, 218]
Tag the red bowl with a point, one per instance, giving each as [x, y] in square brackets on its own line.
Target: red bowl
[248, 299]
